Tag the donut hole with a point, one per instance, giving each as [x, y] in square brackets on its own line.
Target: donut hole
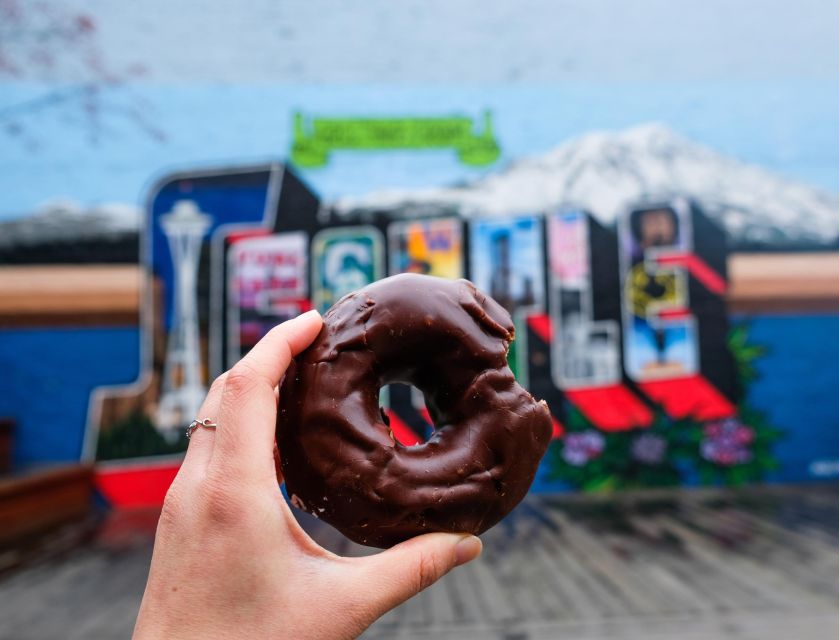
[405, 413]
[499, 486]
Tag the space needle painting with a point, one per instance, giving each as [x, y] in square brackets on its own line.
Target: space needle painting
[182, 389]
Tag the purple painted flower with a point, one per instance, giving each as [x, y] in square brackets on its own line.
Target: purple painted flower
[727, 442]
[581, 447]
[649, 449]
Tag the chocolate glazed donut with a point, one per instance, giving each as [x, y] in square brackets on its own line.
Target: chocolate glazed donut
[340, 460]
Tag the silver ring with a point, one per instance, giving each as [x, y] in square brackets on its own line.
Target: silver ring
[206, 423]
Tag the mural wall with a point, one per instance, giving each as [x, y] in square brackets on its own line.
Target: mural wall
[625, 327]
[665, 243]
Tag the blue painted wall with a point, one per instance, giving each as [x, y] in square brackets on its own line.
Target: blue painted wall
[46, 377]
[48, 374]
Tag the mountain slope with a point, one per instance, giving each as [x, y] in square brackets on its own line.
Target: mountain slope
[61, 231]
[608, 171]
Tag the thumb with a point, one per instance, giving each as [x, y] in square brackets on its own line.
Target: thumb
[411, 566]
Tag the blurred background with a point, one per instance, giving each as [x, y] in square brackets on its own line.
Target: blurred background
[650, 188]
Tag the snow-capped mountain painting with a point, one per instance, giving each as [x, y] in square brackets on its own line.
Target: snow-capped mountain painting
[602, 171]
[62, 230]
[605, 172]
[66, 220]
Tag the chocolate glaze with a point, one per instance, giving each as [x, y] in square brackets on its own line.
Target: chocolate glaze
[340, 460]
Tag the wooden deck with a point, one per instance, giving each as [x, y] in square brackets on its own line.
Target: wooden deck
[759, 563]
[42, 499]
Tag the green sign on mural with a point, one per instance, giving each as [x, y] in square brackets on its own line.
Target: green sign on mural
[316, 138]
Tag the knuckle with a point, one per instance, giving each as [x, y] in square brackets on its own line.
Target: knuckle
[280, 334]
[171, 512]
[221, 503]
[218, 383]
[240, 380]
[279, 341]
[428, 570]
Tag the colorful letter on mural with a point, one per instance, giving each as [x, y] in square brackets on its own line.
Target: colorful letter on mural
[344, 259]
[663, 263]
[506, 261]
[432, 247]
[267, 279]
[585, 325]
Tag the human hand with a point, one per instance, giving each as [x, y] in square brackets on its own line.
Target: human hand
[231, 561]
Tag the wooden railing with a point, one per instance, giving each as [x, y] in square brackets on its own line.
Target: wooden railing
[797, 282]
[37, 501]
[71, 295]
[7, 430]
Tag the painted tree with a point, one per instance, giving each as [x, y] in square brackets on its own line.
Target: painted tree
[44, 43]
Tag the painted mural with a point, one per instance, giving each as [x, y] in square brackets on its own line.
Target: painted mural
[666, 246]
[624, 328]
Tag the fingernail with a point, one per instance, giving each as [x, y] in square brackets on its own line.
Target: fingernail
[309, 313]
[467, 550]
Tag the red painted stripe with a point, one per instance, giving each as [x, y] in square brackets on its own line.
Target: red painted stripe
[558, 429]
[540, 323]
[611, 408]
[673, 314]
[235, 236]
[401, 431]
[136, 485]
[698, 268]
[426, 416]
[689, 396]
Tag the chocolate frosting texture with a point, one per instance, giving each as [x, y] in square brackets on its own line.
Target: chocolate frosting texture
[340, 460]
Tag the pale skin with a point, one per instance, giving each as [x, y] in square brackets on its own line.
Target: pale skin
[230, 560]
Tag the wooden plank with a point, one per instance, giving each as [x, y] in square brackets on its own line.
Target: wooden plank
[730, 626]
[568, 563]
[7, 432]
[705, 577]
[498, 607]
[783, 282]
[785, 539]
[443, 608]
[749, 583]
[695, 573]
[550, 603]
[602, 560]
[55, 295]
[817, 517]
[660, 585]
[465, 609]
[572, 602]
[70, 295]
[805, 566]
[465, 587]
[42, 500]
[417, 611]
[674, 573]
[568, 591]
[514, 565]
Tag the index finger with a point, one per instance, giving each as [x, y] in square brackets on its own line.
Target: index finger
[248, 409]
